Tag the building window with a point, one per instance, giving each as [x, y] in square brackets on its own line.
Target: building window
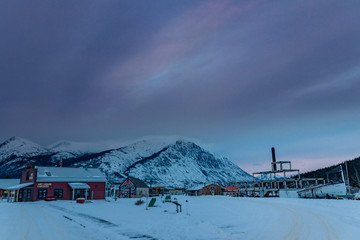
[28, 194]
[27, 176]
[41, 193]
[58, 193]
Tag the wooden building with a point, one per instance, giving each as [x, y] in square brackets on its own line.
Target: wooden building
[133, 188]
[199, 190]
[157, 191]
[177, 191]
[194, 190]
[64, 183]
[211, 189]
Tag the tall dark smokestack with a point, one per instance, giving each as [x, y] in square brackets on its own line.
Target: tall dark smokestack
[273, 159]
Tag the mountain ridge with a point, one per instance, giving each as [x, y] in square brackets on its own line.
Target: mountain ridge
[155, 162]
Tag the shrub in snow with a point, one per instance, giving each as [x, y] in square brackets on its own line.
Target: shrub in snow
[139, 202]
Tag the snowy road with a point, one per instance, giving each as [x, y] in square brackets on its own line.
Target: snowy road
[303, 219]
[311, 225]
[203, 218]
[29, 221]
[302, 223]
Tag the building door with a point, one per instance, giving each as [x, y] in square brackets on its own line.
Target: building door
[27, 194]
[20, 197]
[79, 193]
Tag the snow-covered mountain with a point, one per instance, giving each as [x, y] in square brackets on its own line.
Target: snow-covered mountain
[114, 162]
[20, 147]
[68, 149]
[185, 163]
[16, 152]
[157, 161]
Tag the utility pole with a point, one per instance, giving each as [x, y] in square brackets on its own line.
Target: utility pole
[348, 179]
[187, 208]
[115, 195]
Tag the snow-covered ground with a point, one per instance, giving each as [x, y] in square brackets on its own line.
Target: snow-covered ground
[202, 218]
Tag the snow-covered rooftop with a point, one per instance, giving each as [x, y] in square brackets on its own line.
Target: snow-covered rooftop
[196, 188]
[67, 174]
[19, 186]
[5, 183]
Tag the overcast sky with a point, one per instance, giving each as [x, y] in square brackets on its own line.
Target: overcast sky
[239, 76]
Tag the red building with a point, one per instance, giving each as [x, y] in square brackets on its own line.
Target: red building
[232, 191]
[61, 182]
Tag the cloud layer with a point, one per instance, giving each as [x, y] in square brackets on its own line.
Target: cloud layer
[243, 75]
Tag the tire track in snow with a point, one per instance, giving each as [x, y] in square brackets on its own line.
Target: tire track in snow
[103, 222]
[303, 232]
[301, 228]
[298, 223]
[87, 216]
[34, 222]
[295, 228]
[331, 232]
[55, 224]
[15, 224]
[41, 224]
[304, 222]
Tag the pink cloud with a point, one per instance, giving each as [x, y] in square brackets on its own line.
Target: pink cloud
[177, 42]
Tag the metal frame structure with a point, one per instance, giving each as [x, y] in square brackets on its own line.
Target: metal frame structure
[270, 183]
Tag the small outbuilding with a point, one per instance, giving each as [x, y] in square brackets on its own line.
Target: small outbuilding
[177, 191]
[5, 184]
[199, 190]
[157, 191]
[232, 191]
[211, 189]
[194, 190]
[133, 188]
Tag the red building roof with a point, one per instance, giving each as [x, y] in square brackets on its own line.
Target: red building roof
[231, 188]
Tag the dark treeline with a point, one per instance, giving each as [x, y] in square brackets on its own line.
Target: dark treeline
[328, 172]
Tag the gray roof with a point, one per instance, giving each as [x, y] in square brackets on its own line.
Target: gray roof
[196, 188]
[138, 183]
[67, 174]
[5, 183]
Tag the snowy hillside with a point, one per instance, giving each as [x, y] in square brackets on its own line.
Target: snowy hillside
[68, 149]
[114, 162]
[67, 146]
[79, 147]
[16, 152]
[185, 163]
[158, 161]
[20, 147]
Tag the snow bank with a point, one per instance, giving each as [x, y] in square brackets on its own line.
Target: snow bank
[212, 217]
